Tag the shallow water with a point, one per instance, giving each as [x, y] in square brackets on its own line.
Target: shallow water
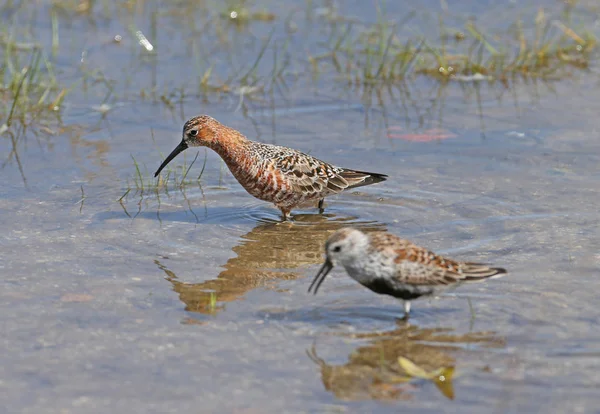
[195, 299]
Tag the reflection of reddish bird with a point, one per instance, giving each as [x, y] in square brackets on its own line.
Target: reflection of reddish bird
[283, 176]
[393, 266]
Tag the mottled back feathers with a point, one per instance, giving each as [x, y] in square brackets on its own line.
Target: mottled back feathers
[419, 266]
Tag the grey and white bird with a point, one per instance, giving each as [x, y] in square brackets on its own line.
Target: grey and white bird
[392, 266]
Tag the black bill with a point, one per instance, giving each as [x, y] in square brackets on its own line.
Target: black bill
[320, 277]
[182, 146]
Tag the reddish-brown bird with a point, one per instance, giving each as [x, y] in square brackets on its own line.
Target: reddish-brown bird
[283, 176]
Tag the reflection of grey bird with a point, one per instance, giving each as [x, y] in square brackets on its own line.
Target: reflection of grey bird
[393, 266]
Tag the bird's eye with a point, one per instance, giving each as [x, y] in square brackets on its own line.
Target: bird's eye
[337, 249]
[193, 132]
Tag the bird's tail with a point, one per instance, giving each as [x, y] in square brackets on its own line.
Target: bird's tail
[477, 271]
[362, 178]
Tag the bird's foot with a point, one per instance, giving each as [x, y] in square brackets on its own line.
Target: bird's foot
[404, 318]
[320, 206]
[285, 214]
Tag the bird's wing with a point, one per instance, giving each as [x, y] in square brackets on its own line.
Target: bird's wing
[419, 266]
[308, 174]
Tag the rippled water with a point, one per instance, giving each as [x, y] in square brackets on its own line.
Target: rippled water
[195, 299]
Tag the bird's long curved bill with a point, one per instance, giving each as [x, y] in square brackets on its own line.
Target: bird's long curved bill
[182, 146]
[320, 277]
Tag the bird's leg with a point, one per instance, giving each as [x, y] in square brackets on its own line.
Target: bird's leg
[406, 309]
[321, 209]
[285, 212]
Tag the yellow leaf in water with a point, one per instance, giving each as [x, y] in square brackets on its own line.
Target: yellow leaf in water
[441, 377]
[444, 382]
[412, 369]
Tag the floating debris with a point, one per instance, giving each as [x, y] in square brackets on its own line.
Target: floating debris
[476, 77]
[143, 41]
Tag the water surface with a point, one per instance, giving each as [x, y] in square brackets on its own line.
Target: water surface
[195, 299]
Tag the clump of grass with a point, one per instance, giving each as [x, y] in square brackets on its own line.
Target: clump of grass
[30, 94]
[378, 55]
[238, 13]
[249, 79]
[553, 51]
[144, 182]
[228, 59]
[143, 186]
[29, 90]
